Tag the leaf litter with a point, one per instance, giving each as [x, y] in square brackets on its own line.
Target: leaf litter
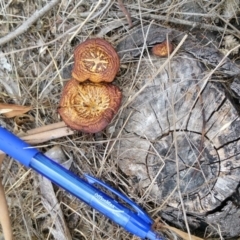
[31, 67]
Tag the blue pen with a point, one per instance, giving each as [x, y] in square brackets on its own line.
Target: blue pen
[134, 220]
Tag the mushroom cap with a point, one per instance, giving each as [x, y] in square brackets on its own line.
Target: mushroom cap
[89, 107]
[95, 60]
[162, 49]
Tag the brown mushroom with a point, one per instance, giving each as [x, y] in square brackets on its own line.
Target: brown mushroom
[162, 49]
[95, 60]
[89, 107]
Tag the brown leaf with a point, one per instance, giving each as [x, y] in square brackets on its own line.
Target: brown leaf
[13, 110]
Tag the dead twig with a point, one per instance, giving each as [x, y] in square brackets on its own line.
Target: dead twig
[85, 14]
[47, 133]
[46, 128]
[4, 216]
[28, 23]
[126, 13]
[209, 27]
[237, 32]
[86, 20]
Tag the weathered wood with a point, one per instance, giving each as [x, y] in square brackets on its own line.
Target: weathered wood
[132, 46]
[227, 219]
[235, 87]
[182, 135]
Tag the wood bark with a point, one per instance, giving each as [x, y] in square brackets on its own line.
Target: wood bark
[181, 132]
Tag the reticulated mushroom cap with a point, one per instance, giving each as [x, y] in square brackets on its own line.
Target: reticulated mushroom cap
[95, 60]
[162, 49]
[89, 107]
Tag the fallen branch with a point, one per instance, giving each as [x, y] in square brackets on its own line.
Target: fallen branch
[28, 23]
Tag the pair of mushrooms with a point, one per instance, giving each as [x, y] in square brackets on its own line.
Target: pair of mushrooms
[89, 100]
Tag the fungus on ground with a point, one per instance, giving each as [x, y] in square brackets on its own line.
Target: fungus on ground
[89, 107]
[162, 49]
[95, 60]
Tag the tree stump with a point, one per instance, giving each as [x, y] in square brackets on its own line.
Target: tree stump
[178, 132]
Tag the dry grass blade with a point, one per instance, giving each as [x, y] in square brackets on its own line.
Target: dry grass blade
[27, 24]
[86, 20]
[126, 13]
[39, 39]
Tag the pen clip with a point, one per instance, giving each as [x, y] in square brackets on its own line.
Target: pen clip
[142, 214]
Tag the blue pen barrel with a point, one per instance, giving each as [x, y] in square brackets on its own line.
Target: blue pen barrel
[90, 195]
[15, 147]
[134, 222]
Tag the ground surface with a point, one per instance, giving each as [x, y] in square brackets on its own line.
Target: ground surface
[177, 127]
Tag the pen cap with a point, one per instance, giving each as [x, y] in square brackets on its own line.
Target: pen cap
[15, 147]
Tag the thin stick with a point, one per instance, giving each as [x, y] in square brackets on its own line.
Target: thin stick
[4, 214]
[86, 20]
[126, 13]
[46, 128]
[85, 14]
[237, 32]
[28, 23]
[210, 27]
[193, 24]
[48, 135]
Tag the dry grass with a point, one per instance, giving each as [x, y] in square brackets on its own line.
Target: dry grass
[38, 60]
